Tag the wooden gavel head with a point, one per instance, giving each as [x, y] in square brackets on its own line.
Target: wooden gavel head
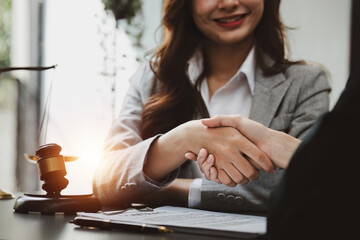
[51, 166]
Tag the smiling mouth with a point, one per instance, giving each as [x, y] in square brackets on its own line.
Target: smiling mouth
[230, 19]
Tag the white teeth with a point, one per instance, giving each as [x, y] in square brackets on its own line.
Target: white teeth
[227, 20]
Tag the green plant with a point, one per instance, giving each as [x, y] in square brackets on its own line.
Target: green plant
[131, 12]
[5, 24]
[123, 9]
[128, 17]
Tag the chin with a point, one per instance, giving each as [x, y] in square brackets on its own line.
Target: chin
[231, 41]
[232, 38]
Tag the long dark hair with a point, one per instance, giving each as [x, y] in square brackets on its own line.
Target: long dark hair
[270, 40]
[173, 98]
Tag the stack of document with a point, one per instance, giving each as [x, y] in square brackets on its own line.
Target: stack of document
[178, 219]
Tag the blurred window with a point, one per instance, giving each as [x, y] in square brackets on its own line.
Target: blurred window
[8, 103]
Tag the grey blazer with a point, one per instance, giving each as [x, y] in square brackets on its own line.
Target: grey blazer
[289, 102]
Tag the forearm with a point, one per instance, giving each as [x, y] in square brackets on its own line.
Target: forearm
[166, 153]
[176, 193]
[281, 147]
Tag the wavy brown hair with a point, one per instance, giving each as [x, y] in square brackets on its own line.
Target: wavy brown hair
[173, 98]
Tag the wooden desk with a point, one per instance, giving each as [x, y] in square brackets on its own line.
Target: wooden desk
[44, 227]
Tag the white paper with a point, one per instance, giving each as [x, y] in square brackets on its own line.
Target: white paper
[190, 218]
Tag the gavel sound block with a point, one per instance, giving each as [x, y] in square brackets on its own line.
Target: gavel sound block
[51, 166]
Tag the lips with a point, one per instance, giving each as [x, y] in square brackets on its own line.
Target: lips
[230, 21]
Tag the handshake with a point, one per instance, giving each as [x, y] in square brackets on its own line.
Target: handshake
[238, 148]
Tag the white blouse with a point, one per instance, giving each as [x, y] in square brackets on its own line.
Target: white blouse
[235, 97]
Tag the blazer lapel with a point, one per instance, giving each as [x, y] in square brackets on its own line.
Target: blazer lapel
[268, 93]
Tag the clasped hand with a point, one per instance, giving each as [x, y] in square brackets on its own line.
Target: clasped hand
[227, 156]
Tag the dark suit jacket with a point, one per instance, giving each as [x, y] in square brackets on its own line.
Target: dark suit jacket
[318, 196]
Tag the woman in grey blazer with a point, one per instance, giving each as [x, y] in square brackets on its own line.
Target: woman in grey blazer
[219, 57]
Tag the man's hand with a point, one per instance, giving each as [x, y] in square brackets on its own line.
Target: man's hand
[277, 145]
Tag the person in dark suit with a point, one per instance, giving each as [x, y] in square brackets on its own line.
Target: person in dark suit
[318, 196]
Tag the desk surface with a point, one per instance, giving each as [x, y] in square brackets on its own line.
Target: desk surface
[43, 227]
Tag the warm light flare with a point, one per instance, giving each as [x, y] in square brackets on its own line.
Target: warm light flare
[80, 172]
[89, 157]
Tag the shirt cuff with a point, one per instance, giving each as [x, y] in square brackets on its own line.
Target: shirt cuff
[194, 199]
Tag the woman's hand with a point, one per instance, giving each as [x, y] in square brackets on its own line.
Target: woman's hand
[206, 163]
[228, 145]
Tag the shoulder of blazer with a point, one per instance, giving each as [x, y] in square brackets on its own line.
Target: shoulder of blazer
[294, 71]
[270, 90]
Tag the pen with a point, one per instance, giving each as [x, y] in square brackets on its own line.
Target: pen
[107, 224]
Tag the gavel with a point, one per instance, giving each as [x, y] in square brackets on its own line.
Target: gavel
[51, 166]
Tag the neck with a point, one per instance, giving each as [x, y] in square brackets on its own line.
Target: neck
[225, 60]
